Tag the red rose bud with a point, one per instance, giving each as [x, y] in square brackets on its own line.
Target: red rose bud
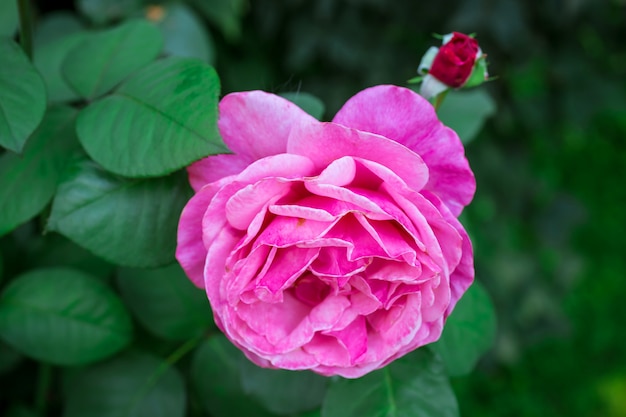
[455, 60]
[453, 65]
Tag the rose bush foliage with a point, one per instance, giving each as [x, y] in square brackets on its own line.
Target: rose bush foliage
[333, 247]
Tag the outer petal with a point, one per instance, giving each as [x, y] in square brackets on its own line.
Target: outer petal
[190, 250]
[256, 124]
[402, 115]
[215, 167]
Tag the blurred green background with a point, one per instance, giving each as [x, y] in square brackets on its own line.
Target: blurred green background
[549, 216]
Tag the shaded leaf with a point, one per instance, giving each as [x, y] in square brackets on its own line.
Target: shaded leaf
[283, 392]
[468, 332]
[9, 358]
[226, 15]
[184, 33]
[413, 386]
[466, 112]
[48, 59]
[22, 96]
[132, 385]
[8, 18]
[127, 222]
[28, 181]
[102, 11]
[160, 120]
[54, 26]
[106, 58]
[216, 379]
[307, 102]
[166, 302]
[63, 316]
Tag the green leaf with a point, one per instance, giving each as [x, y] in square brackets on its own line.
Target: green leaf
[48, 59]
[215, 377]
[53, 249]
[307, 102]
[166, 302]
[22, 96]
[127, 222]
[468, 332]
[283, 392]
[21, 411]
[64, 317]
[104, 59]
[8, 18]
[160, 120]
[9, 358]
[102, 11]
[413, 386]
[466, 112]
[132, 385]
[54, 26]
[226, 15]
[183, 32]
[28, 181]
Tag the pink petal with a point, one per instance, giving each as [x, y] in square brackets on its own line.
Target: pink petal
[213, 168]
[190, 250]
[405, 117]
[353, 338]
[325, 142]
[256, 124]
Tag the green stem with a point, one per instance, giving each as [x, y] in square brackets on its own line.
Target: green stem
[26, 27]
[43, 387]
[439, 99]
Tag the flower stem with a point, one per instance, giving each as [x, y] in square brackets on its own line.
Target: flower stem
[26, 27]
[43, 387]
[439, 99]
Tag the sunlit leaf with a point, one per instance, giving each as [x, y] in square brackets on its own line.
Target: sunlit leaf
[104, 59]
[28, 181]
[63, 316]
[468, 332]
[132, 385]
[415, 385]
[127, 222]
[22, 96]
[158, 121]
[166, 302]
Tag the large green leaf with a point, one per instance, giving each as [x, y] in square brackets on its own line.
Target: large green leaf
[102, 11]
[469, 331]
[307, 102]
[56, 25]
[415, 385]
[466, 112]
[22, 96]
[127, 222]
[48, 59]
[8, 18]
[28, 181]
[63, 316]
[132, 385]
[216, 378]
[283, 392]
[166, 302]
[104, 59]
[184, 33]
[158, 121]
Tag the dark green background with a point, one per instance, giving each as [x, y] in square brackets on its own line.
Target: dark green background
[548, 219]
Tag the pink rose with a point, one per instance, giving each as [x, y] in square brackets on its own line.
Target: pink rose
[333, 247]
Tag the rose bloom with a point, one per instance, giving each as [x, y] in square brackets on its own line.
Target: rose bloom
[455, 60]
[333, 247]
